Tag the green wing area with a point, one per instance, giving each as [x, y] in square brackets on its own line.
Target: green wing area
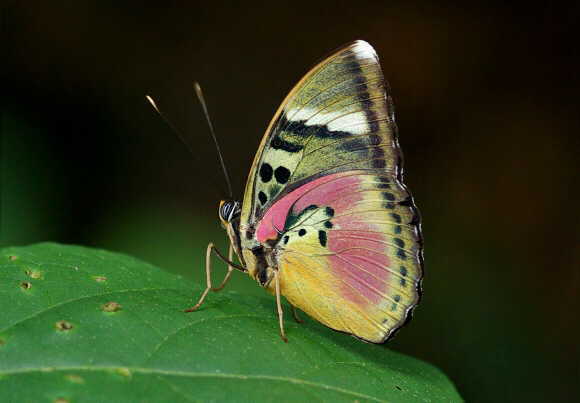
[337, 118]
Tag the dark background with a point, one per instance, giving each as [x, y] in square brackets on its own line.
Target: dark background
[487, 107]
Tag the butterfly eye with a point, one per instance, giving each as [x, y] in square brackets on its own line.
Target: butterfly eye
[229, 209]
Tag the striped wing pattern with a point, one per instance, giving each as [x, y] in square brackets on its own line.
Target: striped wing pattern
[337, 118]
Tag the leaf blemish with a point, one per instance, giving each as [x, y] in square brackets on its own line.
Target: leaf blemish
[13, 257]
[124, 371]
[111, 307]
[33, 274]
[26, 285]
[101, 279]
[74, 378]
[64, 326]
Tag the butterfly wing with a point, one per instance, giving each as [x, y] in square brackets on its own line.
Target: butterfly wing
[337, 118]
[326, 205]
[350, 252]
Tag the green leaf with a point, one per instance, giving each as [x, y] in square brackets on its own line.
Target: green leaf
[81, 324]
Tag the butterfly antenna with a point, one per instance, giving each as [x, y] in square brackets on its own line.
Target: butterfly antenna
[185, 142]
[200, 96]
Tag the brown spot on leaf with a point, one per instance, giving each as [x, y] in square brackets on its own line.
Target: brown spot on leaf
[64, 326]
[26, 285]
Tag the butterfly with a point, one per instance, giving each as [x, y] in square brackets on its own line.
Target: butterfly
[326, 220]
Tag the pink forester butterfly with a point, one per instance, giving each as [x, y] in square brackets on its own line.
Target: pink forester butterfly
[326, 220]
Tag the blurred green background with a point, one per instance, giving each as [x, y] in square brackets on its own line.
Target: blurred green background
[486, 99]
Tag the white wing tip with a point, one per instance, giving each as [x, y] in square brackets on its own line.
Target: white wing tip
[364, 49]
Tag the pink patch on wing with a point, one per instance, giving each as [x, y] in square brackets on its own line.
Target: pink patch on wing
[319, 192]
[360, 259]
[357, 248]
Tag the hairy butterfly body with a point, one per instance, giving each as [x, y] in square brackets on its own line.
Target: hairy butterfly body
[326, 220]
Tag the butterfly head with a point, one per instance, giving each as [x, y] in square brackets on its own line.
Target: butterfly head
[229, 211]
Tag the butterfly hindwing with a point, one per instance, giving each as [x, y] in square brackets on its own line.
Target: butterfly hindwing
[349, 252]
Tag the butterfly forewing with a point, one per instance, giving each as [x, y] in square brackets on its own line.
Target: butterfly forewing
[337, 118]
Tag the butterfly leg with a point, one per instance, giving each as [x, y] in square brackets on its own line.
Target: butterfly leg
[279, 304]
[211, 247]
[230, 270]
[296, 315]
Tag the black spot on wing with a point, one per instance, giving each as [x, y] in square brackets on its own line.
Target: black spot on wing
[403, 280]
[280, 144]
[329, 211]
[401, 248]
[379, 163]
[378, 153]
[282, 174]
[302, 232]
[399, 242]
[403, 271]
[383, 179]
[322, 237]
[293, 218]
[388, 196]
[262, 197]
[266, 172]
[401, 254]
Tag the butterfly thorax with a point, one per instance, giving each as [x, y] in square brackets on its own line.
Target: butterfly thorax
[258, 258]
